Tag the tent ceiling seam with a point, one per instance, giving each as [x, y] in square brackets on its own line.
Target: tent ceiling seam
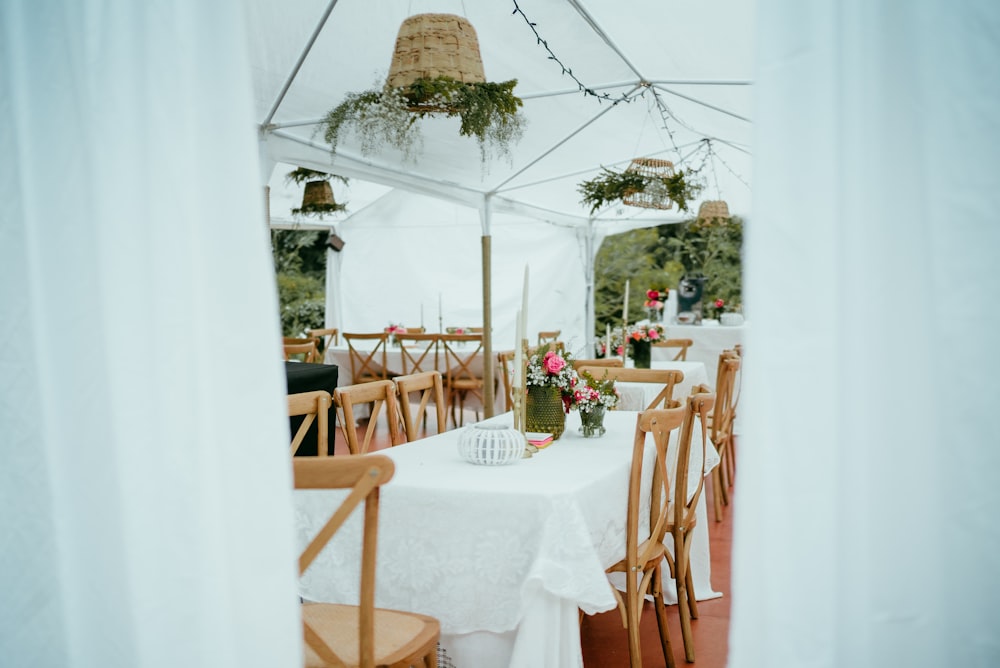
[703, 103]
[604, 36]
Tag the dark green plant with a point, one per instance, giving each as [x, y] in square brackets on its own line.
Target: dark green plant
[488, 111]
[612, 186]
[302, 175]
[711, 248]
[300, 266]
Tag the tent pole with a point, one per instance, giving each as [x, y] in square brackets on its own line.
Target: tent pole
[488, 368]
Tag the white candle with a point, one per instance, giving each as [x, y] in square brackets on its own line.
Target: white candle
[518, 355]
[440, 319]
[524, 305]
[421, 315]
[607, 339]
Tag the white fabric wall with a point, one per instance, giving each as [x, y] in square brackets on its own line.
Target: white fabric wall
[406, 249]
[866, 519]
[145, 505]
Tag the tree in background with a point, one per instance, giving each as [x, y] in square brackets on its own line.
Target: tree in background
[300, 266]
[713, 249]
[660, 257]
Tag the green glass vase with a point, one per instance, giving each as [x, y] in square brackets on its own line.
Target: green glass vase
[592, 422]
[641, 353]
[544, 410]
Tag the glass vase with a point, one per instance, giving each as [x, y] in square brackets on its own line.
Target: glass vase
[641, 353]
[544, 410]
[592, 422]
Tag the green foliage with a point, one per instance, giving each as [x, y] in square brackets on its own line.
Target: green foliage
[488, 111]
[318, 209]
[628, 256]
[657, 257]
[302, 175]
[711, 248]
[300, 265]
[611, 186]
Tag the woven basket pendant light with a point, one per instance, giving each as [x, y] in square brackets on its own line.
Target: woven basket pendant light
[436, 45]
[654, 196]
[715, 208]
[317, 193]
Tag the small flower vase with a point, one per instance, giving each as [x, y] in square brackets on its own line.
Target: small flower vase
[544, 410]
[592, 422]
[641, 353]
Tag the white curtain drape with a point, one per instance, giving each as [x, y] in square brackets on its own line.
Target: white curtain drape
[866, 530]
[145, 504]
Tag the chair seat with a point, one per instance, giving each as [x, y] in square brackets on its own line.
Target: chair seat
[401, 638]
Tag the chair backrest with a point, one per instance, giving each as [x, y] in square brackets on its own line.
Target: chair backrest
[328, 336]
[415, 330]
[382, 395]
[362, 476]
[505, 359]
[725, 399]
[428, 384]
[660, 423]
[668, 378]
[698, 405]
[598, 361]
[367, 353]
[307, 349]
[548, 336]
[683, 344]
[460, 354]
[418, 352]
[315, 406]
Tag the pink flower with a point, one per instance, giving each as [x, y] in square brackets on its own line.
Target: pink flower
[719, 303]
[553, 363]
[653, 334]
[637, 335]
[652, 294]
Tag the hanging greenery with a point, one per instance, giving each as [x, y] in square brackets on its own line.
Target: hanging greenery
[488, 112]
[317, 200]
[612, 186]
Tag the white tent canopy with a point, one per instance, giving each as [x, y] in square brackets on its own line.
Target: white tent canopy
[665, 95]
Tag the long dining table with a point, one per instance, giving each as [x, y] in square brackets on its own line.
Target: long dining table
[503, 556]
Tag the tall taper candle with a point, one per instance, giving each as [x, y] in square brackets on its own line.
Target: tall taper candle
[518, 355]
[524, 305]
[607, 341]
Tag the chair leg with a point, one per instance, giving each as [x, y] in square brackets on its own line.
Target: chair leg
[717, 492]
[661, 619]
[692, 599]
[683, 602]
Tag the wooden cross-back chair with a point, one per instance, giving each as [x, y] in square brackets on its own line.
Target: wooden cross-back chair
[548, 336]
[367, 352]
[431, 389]
[328, 336]
[304, 347]
[314, 407]
[683, 344]
[722, 422]
[418, 352]
[598, 361]
[463, 375]
[668, 378]
[381, 394]
[358, 635]
[643, 559]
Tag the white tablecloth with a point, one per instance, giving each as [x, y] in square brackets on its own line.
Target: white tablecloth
[502, 556]
[709, 342]
[636, 396]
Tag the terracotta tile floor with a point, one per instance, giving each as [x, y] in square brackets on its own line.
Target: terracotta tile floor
[605, 644]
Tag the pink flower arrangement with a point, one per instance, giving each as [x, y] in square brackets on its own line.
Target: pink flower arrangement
[651, 333]
[551, 368]
[655, 299]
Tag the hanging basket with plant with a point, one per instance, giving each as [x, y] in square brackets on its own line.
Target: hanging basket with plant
[317, 198]
[436, 70]
[650, 186]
